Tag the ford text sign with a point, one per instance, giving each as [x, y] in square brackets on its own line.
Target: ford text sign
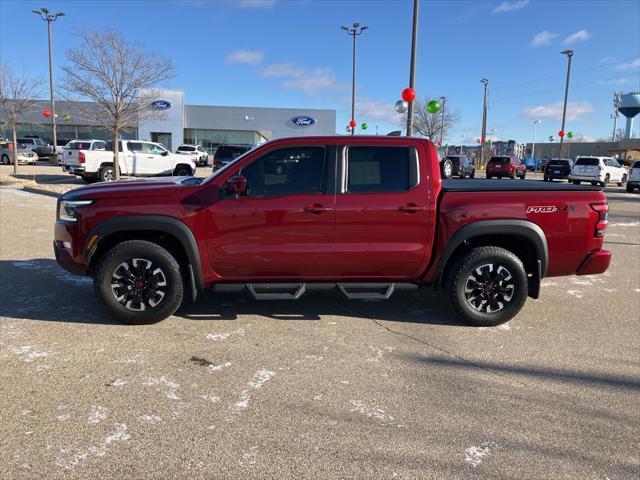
[161, 104]
[302, 121]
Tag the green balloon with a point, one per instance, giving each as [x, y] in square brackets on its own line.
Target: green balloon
[433, 106]
[364, 126]
[66, 117]
[570, 135]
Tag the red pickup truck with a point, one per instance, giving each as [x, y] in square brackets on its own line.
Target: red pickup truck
[367, 215]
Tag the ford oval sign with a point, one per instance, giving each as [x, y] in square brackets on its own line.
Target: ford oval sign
[161, 104]
[303, 121]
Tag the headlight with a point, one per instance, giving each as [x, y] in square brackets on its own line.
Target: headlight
[67, 209]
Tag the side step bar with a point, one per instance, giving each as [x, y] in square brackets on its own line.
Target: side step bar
[293, 291]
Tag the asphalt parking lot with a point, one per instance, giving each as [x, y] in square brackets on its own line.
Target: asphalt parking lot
[319, 388]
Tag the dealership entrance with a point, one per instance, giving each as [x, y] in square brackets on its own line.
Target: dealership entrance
[163, 138]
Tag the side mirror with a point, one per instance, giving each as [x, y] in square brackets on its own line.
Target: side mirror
[236, 186]
[165, 153]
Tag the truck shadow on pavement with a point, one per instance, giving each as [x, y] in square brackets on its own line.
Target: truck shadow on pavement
[41, 290]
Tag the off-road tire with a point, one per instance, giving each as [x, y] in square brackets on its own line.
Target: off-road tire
[89, 178]
[126, 252]
[458, 275]
[446, 169]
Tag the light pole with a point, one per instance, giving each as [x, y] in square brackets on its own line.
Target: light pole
[442, 100]
[533, 144]
[485, 82]
[50, 17]
[412, 71]
[354, 32]
[569, 54]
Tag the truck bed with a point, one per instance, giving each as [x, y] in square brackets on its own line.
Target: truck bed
[482, 185]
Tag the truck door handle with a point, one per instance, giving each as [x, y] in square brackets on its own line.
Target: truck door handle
[411, 208]
[316, 208]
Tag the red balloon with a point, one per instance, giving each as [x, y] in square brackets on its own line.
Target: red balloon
[352, 124]
[561, 133]
[482, 139]
[408, 94]
[46, 113]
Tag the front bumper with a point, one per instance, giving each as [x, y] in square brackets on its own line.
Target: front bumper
[67, 247]
[596, 262]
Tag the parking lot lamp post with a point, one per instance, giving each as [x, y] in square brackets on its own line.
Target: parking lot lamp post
[50, 17]
[483, 137]
[442, 101]
[354, 32]
[412, 70]
[569, 54]
[533, 143]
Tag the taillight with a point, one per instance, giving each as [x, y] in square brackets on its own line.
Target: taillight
[602, 209]
[81, 158]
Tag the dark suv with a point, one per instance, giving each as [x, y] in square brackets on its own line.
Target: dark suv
[228, 153]
[461, 166]
[38, 145]
[558, 169]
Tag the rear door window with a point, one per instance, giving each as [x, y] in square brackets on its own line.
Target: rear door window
[500, 160]
[636, 165]
[381, 169]
[592, 162]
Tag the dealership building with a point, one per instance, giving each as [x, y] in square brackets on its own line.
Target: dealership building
[176, 122]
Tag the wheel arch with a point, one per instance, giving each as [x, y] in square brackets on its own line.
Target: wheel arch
[165, 231]
[525, 239]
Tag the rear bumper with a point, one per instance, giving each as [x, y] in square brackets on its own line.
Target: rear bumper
[73, 169]
[587, 178]
[596, 262]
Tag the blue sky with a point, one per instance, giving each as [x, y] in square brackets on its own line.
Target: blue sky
[286, 53]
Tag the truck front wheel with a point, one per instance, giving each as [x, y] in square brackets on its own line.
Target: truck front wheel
[487, 286]
[139, 282]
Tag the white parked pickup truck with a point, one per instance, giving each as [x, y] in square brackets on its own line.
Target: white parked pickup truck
[93, 160]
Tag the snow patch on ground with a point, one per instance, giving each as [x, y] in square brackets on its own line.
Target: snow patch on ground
[67, 459]
[214, 368]
[378, 353]
[170, 388]
[51, 269]
[475, 455]
[259, 379]
[27, 354]
[151, 418]
[96, 415]
[210, 398]
[576, 293]
[218, 337]
[249, 457]
[371, 412]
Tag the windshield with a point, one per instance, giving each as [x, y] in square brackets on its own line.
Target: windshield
[588, 161]
[453, 159]
[559, 163]
[224, 168]
[29, 141]
[225, 151]
[78, 145]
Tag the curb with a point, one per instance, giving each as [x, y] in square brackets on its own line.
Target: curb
[40, 191]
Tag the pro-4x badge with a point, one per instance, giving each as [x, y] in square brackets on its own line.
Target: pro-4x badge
[542, 209]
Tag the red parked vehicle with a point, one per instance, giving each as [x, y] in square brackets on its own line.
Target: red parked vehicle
[367, 215]
[511, 167]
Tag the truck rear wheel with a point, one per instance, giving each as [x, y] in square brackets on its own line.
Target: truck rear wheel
[487, 286]
[139, 282]
[107, 174]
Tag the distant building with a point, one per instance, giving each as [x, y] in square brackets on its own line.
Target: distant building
[509, 147]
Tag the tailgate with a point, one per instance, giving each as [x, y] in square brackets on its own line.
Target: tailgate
[70, 156]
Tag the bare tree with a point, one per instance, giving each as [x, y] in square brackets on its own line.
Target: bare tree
[430, 124]
[118, 77]
[16, 95]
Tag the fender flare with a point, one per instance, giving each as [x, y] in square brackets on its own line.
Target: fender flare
[518, 228]
[157, 223]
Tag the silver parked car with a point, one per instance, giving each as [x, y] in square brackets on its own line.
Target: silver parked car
[25, 154]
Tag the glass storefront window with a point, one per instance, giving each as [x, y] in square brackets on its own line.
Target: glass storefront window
[212, 139]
